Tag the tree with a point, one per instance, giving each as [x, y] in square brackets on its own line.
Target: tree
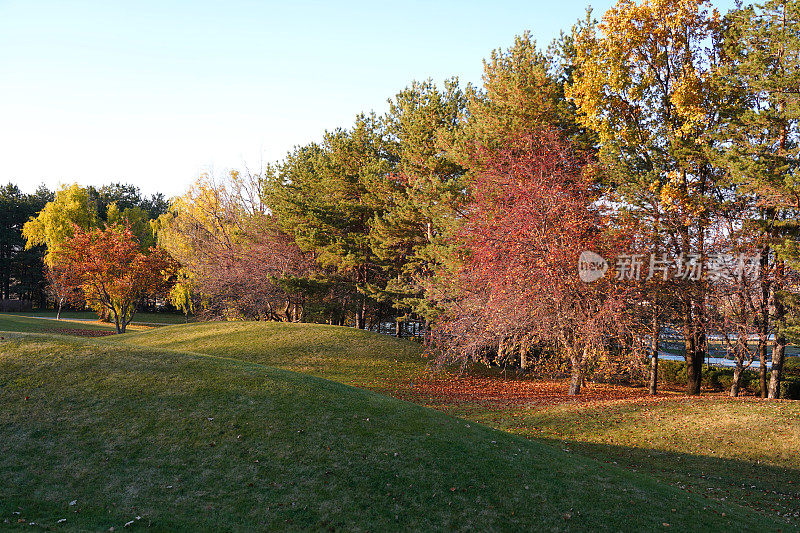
[643, 82]
[424, 192]
[326, 196]
[234, 258]
[56, 222]
[113, 273]
[523, 88]
[529, 222]
[63, 285]
[126, 196]
[19, 268]
[762, 45]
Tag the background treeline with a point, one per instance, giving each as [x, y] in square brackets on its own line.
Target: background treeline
[23, 280]
[665, 133]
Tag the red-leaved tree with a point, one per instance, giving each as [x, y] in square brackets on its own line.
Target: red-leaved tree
[530, 219]
[114, 273]
[63, 285]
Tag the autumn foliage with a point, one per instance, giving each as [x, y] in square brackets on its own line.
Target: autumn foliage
[114, 274]
[530, 219]
[63, 285]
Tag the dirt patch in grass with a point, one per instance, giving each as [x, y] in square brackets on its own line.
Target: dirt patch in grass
[80, 332]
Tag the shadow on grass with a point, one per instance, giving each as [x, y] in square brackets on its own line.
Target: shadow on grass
[768, 489]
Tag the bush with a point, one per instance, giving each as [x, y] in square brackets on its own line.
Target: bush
[791, 367]
[672, 372]
[790, 388]
[719, 379]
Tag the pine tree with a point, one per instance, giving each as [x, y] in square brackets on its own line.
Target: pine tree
[762, 46]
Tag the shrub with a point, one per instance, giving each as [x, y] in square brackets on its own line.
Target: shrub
[672, 372]
[791, 367]
[790, 388]
[719, 379]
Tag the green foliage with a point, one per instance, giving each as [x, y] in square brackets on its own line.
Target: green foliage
[716, 378]
[790, 388]
[672, 372]
[791, 366]
[425, 191]
[522, 90]
[762, 46]
[20, 268]
[327, 194]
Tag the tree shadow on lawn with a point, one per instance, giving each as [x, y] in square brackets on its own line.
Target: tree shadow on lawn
[768, 489]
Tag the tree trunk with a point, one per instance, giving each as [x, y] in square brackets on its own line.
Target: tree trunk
[116, 321]
[501, 352]
[360, 312]
[778, 356]
[60, 304]
[762, 370]
[654, 358]
[398, 332]
[737, 379]
[576, 379]
[524, 351]
[694, 356]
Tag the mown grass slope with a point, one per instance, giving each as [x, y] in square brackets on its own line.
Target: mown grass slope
[14, 322]
[745, 451]
[189, 442]
[346, 355]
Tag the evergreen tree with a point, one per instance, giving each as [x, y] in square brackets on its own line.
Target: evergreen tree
[425, 191]
[326, 195]
[762, 47]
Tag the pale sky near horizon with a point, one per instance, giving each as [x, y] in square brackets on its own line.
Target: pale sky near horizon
[154, 93]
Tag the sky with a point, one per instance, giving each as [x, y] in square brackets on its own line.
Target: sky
[154, 93]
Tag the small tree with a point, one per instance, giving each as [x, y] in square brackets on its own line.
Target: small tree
[113, 273]
[63, 285]
[530, 219]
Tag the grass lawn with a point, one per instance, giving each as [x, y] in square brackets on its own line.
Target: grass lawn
[746, 450]
[730, 450]
[20, 323]
[347, 355]
[143, 425]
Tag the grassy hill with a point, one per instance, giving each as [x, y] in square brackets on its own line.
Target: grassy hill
[346, 355]
[184, 441]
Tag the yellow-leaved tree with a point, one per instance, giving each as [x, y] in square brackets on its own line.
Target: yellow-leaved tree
[642, 81]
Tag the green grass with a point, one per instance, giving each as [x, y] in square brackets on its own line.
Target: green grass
[743, 451]
[134, 426]
[346, 355]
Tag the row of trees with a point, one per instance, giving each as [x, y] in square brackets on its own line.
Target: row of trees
[98, 248]
[692, 126]
[21, 275]
[665, 134]
[663, 130]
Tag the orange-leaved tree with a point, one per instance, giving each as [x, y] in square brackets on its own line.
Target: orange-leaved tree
[63, 285]
[113, 271]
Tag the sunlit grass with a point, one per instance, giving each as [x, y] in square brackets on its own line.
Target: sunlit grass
[188, 442]
[113, 422]
[750, 448]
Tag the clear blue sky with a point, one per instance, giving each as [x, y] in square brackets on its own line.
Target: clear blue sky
[155, 92]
